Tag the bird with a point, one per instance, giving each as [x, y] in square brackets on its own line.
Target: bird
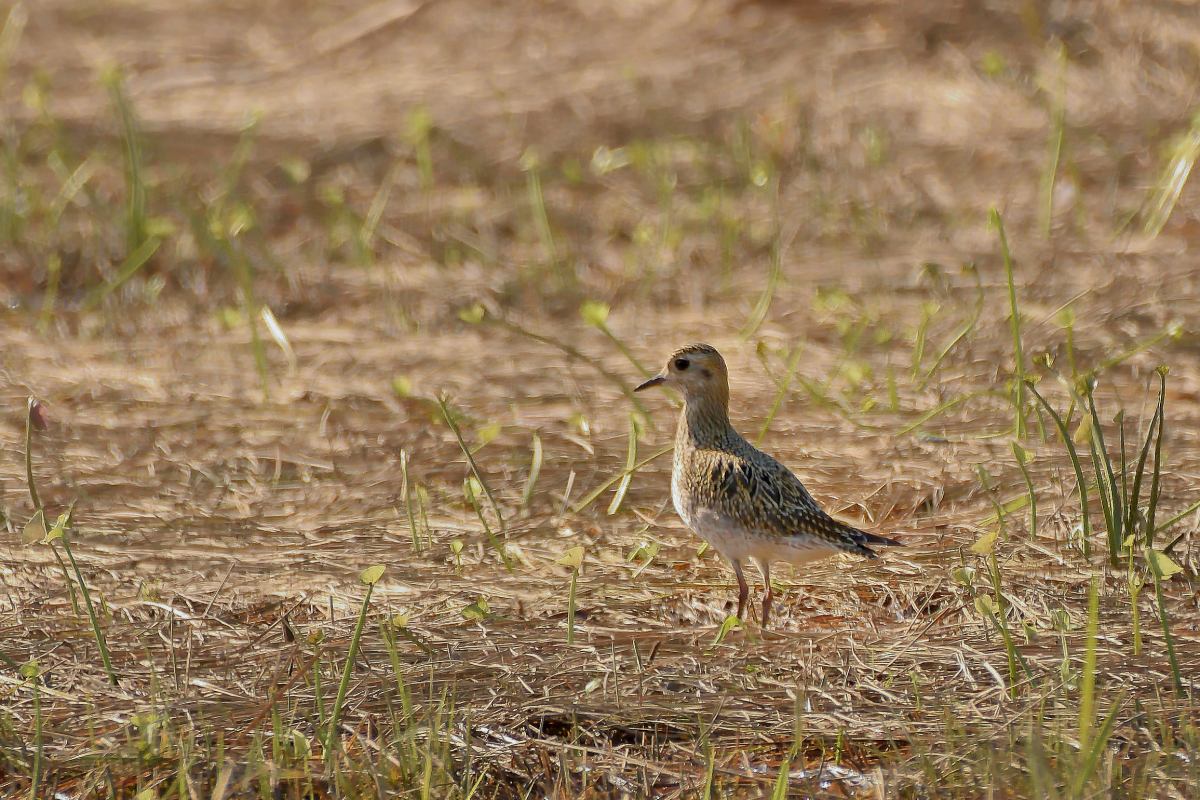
[747, 505]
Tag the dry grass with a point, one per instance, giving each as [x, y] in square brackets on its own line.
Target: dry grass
[385, 208]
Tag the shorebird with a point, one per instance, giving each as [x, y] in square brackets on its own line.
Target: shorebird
[740, 500]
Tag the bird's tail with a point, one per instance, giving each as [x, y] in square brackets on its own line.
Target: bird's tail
[856, 540]
[871, 538]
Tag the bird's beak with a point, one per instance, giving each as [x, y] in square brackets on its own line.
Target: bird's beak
[655, 381]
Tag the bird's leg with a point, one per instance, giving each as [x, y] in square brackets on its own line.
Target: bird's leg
[765, 566]
[743, 590]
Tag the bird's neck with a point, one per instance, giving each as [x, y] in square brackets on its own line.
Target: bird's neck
[704, 422]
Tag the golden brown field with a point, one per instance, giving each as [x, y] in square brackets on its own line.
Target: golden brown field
[304, 288]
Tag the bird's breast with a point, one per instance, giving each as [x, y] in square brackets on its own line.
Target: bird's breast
[680, 498]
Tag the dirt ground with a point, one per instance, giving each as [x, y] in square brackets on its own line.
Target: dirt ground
[683, 150]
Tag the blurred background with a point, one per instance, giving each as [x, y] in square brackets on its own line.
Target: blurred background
[276, 267]
[667, 142]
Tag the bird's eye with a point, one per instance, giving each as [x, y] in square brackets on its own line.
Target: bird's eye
[681, 364]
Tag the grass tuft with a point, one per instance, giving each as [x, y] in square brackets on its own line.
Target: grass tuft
[483, 484]
[1073, 455]
[60, 533]
[136, 225]
[369, 577]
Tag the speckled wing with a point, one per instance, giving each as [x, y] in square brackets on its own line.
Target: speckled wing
[764, 495]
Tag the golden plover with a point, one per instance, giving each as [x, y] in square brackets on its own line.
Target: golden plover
[740, 500]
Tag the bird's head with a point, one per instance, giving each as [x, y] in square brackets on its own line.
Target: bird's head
[697, 371]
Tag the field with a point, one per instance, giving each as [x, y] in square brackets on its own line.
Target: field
[306, 289]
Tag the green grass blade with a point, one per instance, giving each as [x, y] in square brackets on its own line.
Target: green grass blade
[535, 470]
[1135, 491]
[62, 526]
[530, 164]
[574, 353]
[943, 408]
[1106, 482]
[630, 463]
[959, 336]
[1165, 622]
[379, 203]
[72, 186]
[1065, 435]
[1124, 494]
[1152, 502]
[774, 273]
[1015, 322]
[571, 606]
[625, 351]
[135, 186]
[10, 35]
[133, 262]
[1058, 116]
[927, 313]
[1087, 684]
[332, 738]
[1041, 773]
[1173, 330]
[710, 768]
[780, 791]
[245, 276]
[406, 493]
[446, 415]
[1023, 463]
[1090, 756]
[1174, 177]
[97, 632]
[602, 488]
[31, 406]
[50, 298]
[1166, 525]
[781, 392]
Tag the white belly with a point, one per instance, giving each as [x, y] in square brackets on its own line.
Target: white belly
[737, 543]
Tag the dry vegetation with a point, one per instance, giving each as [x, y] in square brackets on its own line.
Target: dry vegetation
[242, 272]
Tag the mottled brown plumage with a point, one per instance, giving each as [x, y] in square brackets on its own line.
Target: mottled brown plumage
[740, 500]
